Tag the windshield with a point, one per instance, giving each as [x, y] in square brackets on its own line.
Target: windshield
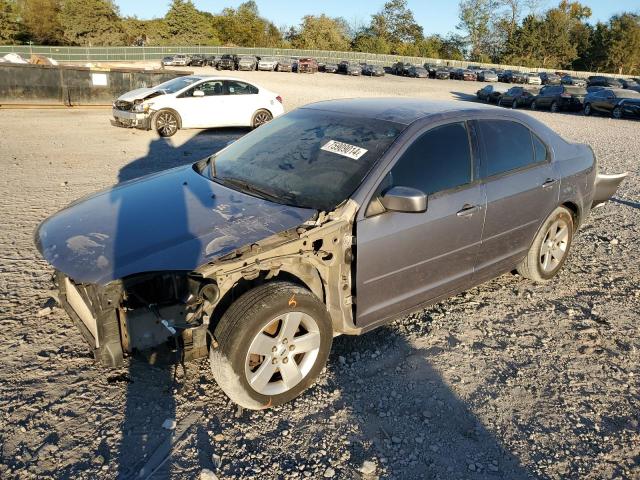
[307, 158]
[177, 84]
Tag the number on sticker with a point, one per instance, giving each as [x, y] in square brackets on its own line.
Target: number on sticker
[344, 149]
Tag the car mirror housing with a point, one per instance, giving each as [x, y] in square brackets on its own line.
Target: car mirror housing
[198, 93]
[404, 199]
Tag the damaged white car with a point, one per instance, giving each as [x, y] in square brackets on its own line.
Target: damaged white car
[197, 102]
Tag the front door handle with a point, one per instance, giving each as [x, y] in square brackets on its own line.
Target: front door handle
[468, 210]
[549, 182]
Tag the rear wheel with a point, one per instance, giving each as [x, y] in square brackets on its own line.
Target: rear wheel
[514, 104]
[554, 107]
[166, 123]
[260, 118]
[587, 109]
[273, 343]
[550, 247]
[534, 106]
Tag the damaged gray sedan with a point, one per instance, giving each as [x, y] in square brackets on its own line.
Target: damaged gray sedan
[333, 219]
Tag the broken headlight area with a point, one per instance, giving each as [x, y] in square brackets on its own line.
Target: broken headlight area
[154, 314]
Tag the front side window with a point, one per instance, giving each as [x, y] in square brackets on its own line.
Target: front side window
[438, 160]
[508, 146]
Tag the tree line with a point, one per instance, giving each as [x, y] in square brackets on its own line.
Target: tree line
[514, 32]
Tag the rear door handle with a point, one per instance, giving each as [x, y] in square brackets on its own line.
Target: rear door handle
[549, 182]
[468, 210]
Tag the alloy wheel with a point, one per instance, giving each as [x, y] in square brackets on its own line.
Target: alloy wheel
[281, 355]
[617, 113]
[554, 245]
[166, 124]
[261, 118]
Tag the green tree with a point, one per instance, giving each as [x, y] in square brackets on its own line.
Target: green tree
[245, 27]
[10, 27]
[322, 33]
[186, 25]
[41, 19]
[91, 23]
[396, 23]
[622, 43]
[476, 23]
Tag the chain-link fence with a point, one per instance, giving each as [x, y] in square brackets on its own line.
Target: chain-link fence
[113, 54]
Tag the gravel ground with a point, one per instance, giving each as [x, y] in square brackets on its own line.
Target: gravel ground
[510, 380]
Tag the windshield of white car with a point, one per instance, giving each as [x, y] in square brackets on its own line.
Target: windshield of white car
[177, 84]
[307, 158]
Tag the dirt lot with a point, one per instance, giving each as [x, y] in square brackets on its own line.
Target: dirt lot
[510, 380]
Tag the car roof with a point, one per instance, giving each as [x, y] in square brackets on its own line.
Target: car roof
[398, 110]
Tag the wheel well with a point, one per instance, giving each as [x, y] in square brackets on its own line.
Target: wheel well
[575, 212]
[243, 286]
[172, 111]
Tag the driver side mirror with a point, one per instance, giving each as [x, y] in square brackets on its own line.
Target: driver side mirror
[404, 199]
[198, 93]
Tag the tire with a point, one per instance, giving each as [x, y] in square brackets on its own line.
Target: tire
[587, 109]
[166, 123]
[514, 104]
[258, 321]
[500, 102]
[533, 105]
[260, 118]
[617, 113]
[554, 107]
[550, 247]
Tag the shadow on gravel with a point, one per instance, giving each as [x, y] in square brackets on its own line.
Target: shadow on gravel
[150, 389]
[467, 97]
[628, 203]
[410, 415]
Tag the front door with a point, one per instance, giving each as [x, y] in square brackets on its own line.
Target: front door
[405, 259]
[203, 110]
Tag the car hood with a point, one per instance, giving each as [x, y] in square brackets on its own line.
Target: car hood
[140, 94]
[174, 220]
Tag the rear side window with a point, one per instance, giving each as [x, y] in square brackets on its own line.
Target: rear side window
[234, 87]
[438, 160]
[508, 146]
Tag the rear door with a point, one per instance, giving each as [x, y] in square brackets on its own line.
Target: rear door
[405, 259]
[242, 102]
[522, 188]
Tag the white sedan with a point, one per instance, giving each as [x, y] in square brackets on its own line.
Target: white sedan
[197, 102]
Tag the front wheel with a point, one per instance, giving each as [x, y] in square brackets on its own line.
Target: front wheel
[587, 109]
[166, 123]
[260, 118]
[550, 247]
[534, 106]
[554, 107]
[617, 113]
[273, 342]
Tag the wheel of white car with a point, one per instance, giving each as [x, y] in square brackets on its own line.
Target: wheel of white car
[587, 109]
[550, 247]
[261, 117]
[617, 113]
[273, 342]
[166, 123]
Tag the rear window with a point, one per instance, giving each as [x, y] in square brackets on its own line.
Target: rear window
[508, 146]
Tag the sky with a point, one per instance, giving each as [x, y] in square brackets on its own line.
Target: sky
[435, 16]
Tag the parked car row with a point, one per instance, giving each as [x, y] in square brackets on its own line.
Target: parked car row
[614, 102]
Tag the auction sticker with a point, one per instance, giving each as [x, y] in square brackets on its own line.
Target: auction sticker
[344, 149]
